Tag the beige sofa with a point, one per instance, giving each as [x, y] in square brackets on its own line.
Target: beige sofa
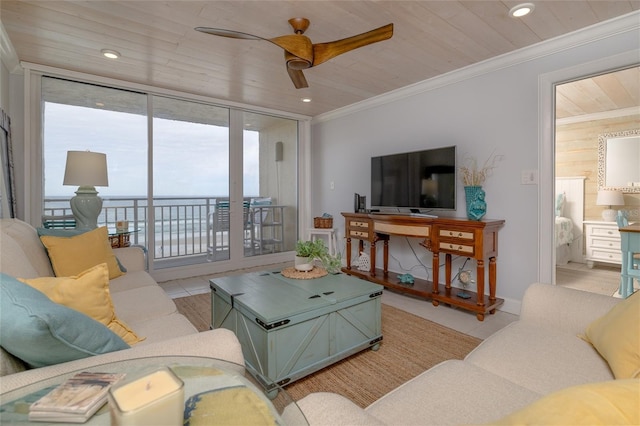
[138, 301]
[532, 357]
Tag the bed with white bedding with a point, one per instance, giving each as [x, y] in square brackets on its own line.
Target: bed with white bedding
[569, 218]
[563, 238]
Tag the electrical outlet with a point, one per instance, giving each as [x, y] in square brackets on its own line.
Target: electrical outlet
[332, 185]
[529, 177]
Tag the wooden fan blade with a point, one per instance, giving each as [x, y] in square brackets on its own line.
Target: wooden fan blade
[322, 52]
[298, 78]
[297, 44]
[229, 33]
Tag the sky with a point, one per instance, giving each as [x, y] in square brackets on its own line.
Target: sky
[190, 159]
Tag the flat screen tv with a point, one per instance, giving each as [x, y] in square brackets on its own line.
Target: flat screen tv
[418, 181]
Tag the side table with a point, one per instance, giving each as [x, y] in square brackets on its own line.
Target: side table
[121, 238]
[329, 233]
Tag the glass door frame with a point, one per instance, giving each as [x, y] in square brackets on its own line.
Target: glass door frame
[33, 172]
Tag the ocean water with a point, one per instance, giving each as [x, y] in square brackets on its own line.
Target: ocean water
[180, 224]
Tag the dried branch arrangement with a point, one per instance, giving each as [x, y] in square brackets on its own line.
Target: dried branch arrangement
[472, 176]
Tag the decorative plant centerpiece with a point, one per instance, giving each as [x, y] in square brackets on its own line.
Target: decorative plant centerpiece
[308, 251]
[473, 178]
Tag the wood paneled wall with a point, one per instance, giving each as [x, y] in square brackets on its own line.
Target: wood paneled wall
[577, 155]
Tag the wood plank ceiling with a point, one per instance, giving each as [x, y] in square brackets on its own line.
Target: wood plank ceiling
[159, 46]
[615, 91]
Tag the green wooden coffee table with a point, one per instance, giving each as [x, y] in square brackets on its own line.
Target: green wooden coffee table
[290, 328]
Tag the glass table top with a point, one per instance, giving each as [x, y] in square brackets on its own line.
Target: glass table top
[200, 375]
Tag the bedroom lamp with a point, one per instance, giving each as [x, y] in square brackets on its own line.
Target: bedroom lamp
[87, 170]
[609, 198]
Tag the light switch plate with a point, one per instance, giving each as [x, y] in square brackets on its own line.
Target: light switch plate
[529, 177]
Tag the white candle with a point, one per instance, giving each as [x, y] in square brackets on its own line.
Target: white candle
[156, 399]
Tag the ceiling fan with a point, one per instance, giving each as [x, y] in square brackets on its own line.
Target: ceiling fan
[300, 53]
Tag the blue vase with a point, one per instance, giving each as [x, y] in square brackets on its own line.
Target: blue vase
[476, 205]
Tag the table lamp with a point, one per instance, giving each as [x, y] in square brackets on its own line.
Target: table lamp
[87, 170]
[609, 198]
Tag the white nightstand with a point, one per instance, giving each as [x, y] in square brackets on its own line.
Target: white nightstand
[602, 242]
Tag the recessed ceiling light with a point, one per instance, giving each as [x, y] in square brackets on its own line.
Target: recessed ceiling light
[111, 54]
[99, 104]
[521, 10]
[307, 100]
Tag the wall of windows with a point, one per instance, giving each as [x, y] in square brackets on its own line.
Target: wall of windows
[200, 184]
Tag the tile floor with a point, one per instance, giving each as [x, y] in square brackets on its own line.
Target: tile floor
[457, 319]
[601, 279]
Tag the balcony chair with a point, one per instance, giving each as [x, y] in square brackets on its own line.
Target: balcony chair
[219, 226]
[66, 221]
[263, 239]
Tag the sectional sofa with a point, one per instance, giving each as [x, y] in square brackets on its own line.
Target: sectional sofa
[140, 305]
[538, 370]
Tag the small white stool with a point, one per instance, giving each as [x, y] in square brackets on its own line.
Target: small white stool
[330, 233]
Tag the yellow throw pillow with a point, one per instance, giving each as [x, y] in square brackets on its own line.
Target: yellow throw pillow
[71, 255]
[88, 293]
[615, 402]
[616, 336]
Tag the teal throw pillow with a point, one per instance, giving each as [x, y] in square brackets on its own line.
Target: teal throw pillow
[41, 332]
[52, 232]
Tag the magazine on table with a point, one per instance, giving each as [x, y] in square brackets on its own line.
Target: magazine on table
[75, 400]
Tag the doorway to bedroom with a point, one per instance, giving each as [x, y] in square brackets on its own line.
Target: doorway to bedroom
[585, 110]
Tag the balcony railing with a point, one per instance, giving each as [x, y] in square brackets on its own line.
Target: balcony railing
[180, 223]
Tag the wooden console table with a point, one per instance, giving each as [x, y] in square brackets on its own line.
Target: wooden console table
[473, 239]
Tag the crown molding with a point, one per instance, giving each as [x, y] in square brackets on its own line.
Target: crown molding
[602, 30]
[8, 52]
[605, 115]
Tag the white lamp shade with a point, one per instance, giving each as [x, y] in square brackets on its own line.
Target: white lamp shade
[85, 168]
[609, 198]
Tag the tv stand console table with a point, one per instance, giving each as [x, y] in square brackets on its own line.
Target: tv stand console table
[450, 236]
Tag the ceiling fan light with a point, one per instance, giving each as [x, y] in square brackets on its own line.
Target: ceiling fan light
[111, 54]
[298, 64]
[521, 10]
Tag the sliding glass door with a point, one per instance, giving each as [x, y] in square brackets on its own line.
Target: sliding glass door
[190, 181]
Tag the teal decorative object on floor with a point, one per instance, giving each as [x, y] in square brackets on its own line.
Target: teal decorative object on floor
[406, 279]
[476, 205]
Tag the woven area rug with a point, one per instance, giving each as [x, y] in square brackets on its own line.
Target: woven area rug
[410, 346]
